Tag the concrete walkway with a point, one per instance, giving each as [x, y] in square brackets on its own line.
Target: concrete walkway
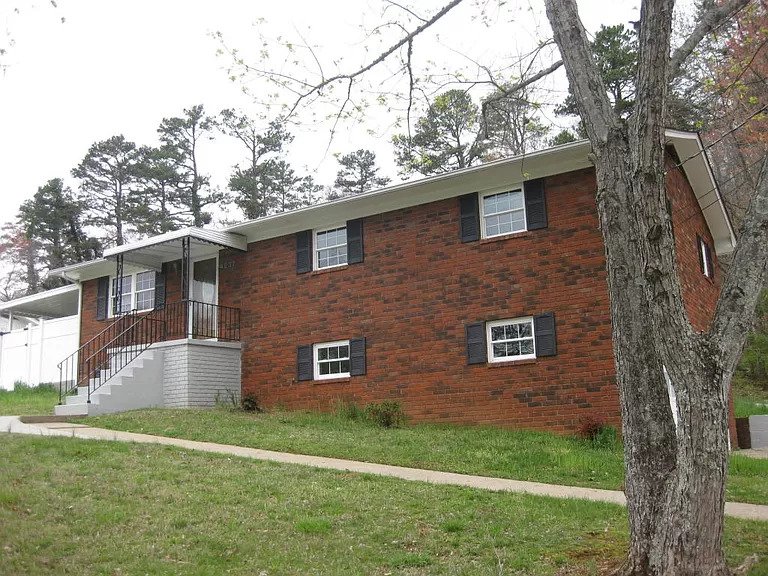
[12, 424]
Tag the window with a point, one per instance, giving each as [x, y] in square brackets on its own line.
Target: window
[330, 248]
[510, 340]
[137, 292]
[502, 213]
[331, 360]
[705, 259]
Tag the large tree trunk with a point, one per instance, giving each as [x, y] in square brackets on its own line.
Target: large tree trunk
[674, 473]
[675, 464]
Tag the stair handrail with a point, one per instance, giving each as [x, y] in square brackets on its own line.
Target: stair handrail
[70, 368]
[127, 353]
[78, 368]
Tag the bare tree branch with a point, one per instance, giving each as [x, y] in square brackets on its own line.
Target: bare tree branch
[405, 9]
[505, 91]
[710, 20]
[378, 60]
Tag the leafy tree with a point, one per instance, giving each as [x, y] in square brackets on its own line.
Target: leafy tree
[52, 221]
[509, 125]
[563, 137]
[446, 138]
[615, 53]
[156, 202]
[183, 135]
[251, 183]
[19, 254]
[358, 174]
[106, 174]
[286, 190]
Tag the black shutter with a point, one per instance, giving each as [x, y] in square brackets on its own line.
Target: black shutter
[544, 332]
[102, 298]
[476, 351]
[535, 204]
[708, 256]
[303, 251]
[470, 217]
[355, 241]
[357, 357]
[159, 290]
[304, 361]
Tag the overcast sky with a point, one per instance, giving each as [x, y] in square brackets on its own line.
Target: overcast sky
[119, 67]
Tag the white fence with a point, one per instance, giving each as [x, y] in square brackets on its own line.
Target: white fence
[31, 355]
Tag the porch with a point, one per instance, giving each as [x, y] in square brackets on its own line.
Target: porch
[160, 336]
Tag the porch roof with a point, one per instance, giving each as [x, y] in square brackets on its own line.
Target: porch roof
[55, 303]
[150, 253]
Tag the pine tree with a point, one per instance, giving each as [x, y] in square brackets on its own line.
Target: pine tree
[358, 174]
[105, 175]
[183, 135]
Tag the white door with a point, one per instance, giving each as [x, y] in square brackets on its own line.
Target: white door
[204, 293]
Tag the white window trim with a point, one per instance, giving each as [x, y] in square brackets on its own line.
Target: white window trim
[483, 195]
[316, 250]
[316, 365]
[110, 306]
[703, 253]
[489, 342]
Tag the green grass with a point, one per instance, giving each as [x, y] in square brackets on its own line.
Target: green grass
[26, 401]
[483, 450]
[749, 398]
[71, 506]
[745, 407]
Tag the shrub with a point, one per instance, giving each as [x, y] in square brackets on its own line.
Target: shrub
[250, 403]
[599, 434]
[350, 411]
[388, 414]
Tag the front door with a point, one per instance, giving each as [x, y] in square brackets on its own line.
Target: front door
[203, 295]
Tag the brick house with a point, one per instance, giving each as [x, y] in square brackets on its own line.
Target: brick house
[477, 296]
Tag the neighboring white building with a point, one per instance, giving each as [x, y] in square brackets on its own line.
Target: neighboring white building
[36, 333]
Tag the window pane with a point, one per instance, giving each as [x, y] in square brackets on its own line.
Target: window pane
[333, 352]
[526, 347]
[525, 329]
[499, 350]
[345, 365]
[145, 281]
[324, 368]
[343, 351]
[145, 300]
[497, 333]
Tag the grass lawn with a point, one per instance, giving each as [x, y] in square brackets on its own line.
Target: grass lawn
[85, 507]
[749, 398]
[26, 401]
[486, 451]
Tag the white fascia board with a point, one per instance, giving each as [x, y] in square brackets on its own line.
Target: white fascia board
[695, 164]
[483, 178]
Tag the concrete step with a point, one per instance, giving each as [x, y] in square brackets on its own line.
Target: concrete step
[71, 410]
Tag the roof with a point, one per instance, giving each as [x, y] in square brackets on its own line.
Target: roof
[492, 176]
[151, 252]
[55, 303]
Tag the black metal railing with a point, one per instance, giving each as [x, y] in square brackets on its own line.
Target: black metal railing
[194, 319]
[112, 349]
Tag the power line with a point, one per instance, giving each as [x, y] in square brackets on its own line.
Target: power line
[722, 136]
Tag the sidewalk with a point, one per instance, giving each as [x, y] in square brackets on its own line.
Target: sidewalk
[13, 425]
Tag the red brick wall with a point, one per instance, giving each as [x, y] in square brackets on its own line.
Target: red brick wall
[699, 292]
[411, 298]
